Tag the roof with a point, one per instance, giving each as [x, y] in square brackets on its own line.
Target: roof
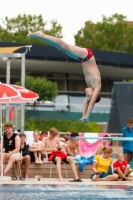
[43, 52]
[9, 49]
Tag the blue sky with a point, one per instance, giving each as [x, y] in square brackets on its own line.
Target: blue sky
[71, 14]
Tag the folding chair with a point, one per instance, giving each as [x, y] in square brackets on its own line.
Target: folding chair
[51, 166]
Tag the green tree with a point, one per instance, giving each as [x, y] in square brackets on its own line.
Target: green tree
[17, 29]
[46, 90]
[111, 34]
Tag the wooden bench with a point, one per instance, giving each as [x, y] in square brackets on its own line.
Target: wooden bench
[44, 171]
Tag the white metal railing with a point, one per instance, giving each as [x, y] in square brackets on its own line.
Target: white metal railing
[103, 138]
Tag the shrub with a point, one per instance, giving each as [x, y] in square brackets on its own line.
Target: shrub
[61, 125]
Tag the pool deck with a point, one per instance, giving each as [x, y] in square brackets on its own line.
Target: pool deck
[53, 181]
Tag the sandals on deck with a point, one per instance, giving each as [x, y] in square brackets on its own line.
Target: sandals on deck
[21, 178]
[15, 178]
[76, 180]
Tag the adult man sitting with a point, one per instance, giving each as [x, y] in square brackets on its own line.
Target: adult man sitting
[122, 168]
[52, 146]
[11, 144]
[67, 135]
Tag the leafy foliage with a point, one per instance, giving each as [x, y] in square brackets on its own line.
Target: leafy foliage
[17, 29]
[111, 34]
[61, 125]
[128, 81]
[46, 90]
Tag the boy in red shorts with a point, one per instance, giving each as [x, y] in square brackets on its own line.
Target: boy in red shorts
[122, 168]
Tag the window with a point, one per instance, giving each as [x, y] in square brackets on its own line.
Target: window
[76, 85]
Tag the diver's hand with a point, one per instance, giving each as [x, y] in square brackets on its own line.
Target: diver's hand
[84, 120]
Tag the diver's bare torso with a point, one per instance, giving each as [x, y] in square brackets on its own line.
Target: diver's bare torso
[91, 73]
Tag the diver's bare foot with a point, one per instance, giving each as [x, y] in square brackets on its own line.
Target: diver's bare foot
[37, 33]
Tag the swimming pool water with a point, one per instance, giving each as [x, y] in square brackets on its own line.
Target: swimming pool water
[65, 192]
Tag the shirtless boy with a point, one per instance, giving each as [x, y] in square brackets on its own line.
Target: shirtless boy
[73, 145]
[51, 144]
[90, 69]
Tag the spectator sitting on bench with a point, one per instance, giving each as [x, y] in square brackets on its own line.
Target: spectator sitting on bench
[122, 168]
[24, 149]
[36, 147]
[11, 143]
[52, 146]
